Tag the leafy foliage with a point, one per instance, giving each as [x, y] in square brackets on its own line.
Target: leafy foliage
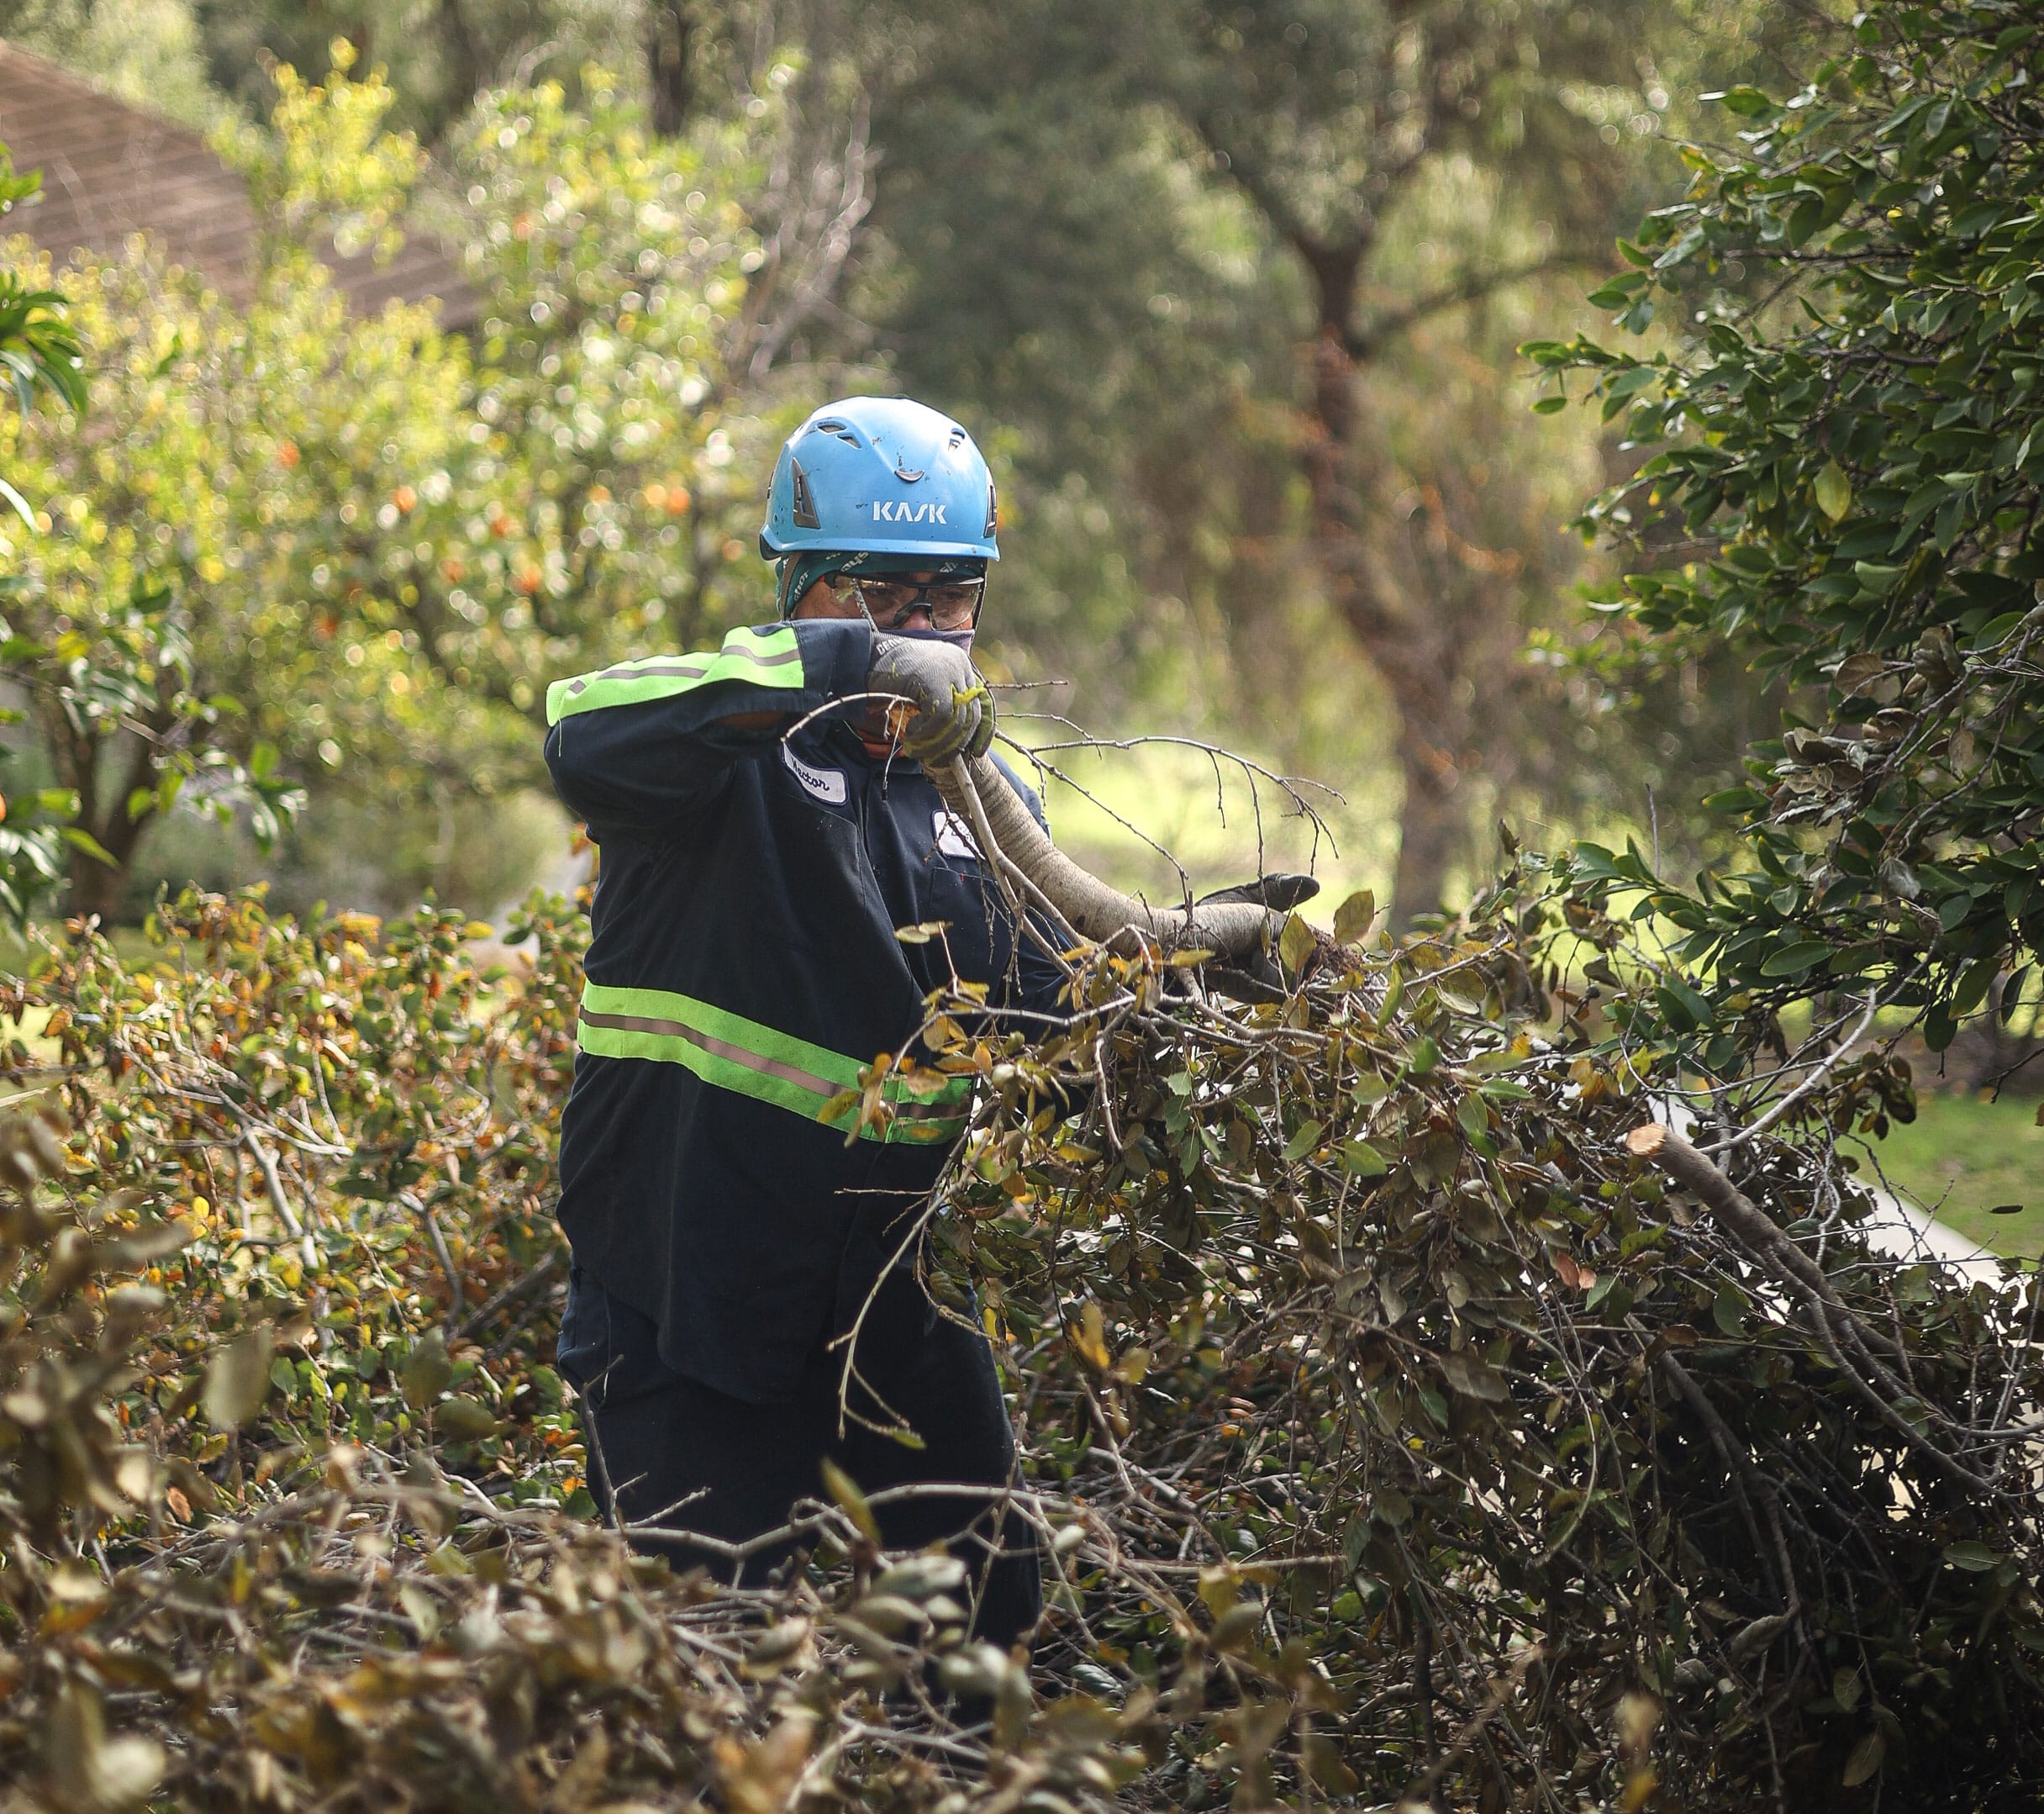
[39, 351]
[296, 548]
[1389, 1426]
[38, 348]
[1856, 468]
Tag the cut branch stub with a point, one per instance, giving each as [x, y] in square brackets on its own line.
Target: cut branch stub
[1229, 929]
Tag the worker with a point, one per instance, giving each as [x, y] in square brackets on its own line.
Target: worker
[767, 826]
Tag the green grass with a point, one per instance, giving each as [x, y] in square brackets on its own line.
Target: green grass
[1962, 1157]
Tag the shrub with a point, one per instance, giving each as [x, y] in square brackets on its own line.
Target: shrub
[1392, 1427]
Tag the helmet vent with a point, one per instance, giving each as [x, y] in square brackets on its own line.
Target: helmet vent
[843, 430]
[804, 500]
[993, 514]
[957, 440]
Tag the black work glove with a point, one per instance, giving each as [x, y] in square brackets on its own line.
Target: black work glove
[1255, 975]
[954, 712]
[1279, 892]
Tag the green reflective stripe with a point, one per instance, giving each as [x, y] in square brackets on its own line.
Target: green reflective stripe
[760, 657]
[735, 1053]
[816, 1067]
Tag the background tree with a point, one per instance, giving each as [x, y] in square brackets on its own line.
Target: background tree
[296, 543]
[1322, 124]
[1057, 255]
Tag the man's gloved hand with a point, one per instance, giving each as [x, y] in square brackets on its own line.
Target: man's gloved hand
[954, 712]
[1254, 976]
[1280, 892]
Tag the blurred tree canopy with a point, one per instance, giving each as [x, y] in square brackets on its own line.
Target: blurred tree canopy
[286, 541]
[1230, 296]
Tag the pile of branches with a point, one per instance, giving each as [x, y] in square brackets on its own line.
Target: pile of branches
[1410, 1413]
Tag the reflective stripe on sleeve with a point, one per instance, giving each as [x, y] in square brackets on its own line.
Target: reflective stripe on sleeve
[729, 1051]
[758, 658]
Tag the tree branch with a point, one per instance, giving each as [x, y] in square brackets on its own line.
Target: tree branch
[1365, 343]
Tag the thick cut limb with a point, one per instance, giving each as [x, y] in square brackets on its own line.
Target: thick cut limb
[1230, 929]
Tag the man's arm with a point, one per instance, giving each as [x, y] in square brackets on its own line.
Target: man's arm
[632, 748]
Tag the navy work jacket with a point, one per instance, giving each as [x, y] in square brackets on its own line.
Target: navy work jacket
[743, 967]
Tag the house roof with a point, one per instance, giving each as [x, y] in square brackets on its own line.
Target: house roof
[110, 170]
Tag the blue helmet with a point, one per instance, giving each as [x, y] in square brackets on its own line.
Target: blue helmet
[880, 475]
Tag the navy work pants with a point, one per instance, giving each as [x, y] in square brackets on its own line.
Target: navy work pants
[669, 1451]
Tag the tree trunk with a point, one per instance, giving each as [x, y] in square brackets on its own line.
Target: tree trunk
[98, 887]
[1421, 598]
[464, 75]
[669, 34]
[1343, 487]
[95, 888]
[1430, 828]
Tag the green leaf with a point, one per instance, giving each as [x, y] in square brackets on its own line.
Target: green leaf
[1735, 800]
[1975, 1558]
[1865, 1759]
[1353, 918]
[1794, 959]
[1611, 1289]
[1744, 101]
[1834, 491]
[1304, 1140]
[1694, 1008]
[1295, 945]
[465, 1419]
[21, 507]
[844, 1490]
[79, 839]
[1359, 1159]
[1473, 1378]
[238, 1378]
[1974, 986]
[427, 1371]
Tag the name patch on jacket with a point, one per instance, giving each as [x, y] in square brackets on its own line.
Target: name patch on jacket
[954, 839]
[827, 784]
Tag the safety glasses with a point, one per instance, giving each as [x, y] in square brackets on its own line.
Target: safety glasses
[952, 603]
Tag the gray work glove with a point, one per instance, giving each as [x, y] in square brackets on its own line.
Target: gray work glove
[954, 712]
